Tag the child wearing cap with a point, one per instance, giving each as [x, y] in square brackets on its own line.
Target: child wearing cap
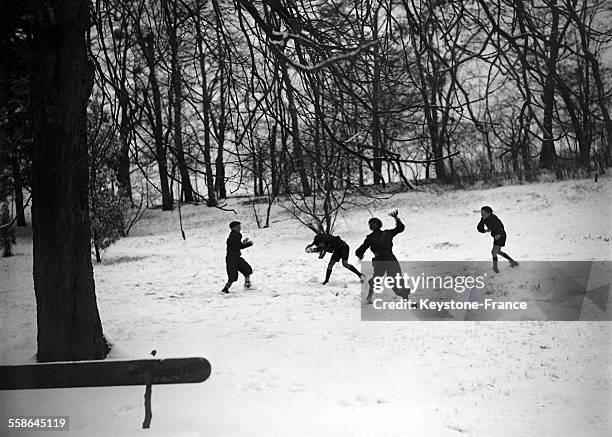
[234, 262]
[489, 222]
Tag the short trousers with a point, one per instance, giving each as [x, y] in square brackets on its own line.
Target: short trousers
[341, 253]
[501, 241]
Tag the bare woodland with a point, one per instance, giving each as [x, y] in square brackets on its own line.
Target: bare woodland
[113, 106]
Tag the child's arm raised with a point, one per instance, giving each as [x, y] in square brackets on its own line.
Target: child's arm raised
[399, 226]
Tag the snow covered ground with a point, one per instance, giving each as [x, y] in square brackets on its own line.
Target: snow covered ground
[293, 358]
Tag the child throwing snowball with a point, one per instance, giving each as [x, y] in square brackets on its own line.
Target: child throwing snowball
[489, 222]
[340, 250]
[234, 262]
[380, 242]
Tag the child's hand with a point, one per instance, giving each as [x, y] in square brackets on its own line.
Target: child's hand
[394, 213]
[497, 237]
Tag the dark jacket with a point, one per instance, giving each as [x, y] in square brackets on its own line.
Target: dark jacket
[381, 242]
[328, 243]
[492, 223]
[234, 244]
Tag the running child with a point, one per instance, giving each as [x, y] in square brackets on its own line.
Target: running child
[234, 262]
[384, 262]
[489, 222]
[340, 250]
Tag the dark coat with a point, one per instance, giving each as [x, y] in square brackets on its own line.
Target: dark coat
[492, 223]
[381, 242]
[235, 244]
[328, 243]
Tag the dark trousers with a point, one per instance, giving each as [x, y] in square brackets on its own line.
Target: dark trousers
[390, 266]
[234, 265]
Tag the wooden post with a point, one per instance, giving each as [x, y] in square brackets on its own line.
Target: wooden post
[148, 414]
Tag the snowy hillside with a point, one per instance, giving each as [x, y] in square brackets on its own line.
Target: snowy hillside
[293, 358]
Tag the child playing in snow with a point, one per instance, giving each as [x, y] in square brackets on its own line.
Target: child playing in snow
[339, 249]
[234, 263]
[489, 222]
[384, 262]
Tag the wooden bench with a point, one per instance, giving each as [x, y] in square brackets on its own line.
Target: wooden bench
[106, 373]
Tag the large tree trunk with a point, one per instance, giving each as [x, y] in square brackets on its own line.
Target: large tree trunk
[69, 326]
